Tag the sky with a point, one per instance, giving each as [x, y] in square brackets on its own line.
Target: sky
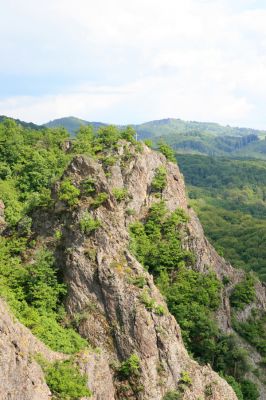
[124, 61]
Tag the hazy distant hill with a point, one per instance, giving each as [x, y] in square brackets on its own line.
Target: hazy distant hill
[30, 125]
[72, 124]
[190, 136]
[185, 136]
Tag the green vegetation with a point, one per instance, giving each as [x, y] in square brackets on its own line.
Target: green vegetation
[235, 385]
[230, 199]
[167, 151]
[249, 390]
[100, 199]
[190, 136]
[254, 330]
[243, 293]
[129, 367]
[35, 293]
[69, 193]
[159, 181]
[31, 162]
[150, 304]
[120, 194]
[172, 395]
[88, 186]
[65, 380]
[88, 224]
[192, 297]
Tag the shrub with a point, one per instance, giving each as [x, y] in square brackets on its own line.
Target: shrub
[159, 181]
[69, 193]
[100, 199]
[130, 367]
[172, 395]
[253, 330]
[244, 293]
[150, 304]
[130, 211]
[88, 224]
[65, 380]
[167, 151]
[235, 385]
[88, 186]
[58, 234]
[148, 143]
[139, 281]
[249, 390]
[120, 194]
[185, 378]
[208, 390]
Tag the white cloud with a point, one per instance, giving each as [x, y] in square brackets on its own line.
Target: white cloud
[126, 61]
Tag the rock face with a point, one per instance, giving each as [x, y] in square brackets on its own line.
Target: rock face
[21, 378]
[99, 270]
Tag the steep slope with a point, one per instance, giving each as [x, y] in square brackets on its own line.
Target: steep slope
[142, 355]
[99, 268]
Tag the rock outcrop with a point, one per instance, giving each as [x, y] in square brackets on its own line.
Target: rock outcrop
[98, 269]
[21, 377]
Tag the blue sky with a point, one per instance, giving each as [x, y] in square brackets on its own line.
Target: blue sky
[124, 61]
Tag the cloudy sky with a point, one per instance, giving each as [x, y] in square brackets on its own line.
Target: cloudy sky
[124, 61]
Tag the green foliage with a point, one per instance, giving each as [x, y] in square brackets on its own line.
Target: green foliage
[148, 143]
[84, 143]
[235, 385]
[88, 224]
[128, 134]
[130, 211]
[52, 333]
[139, 281]
[159, 181]
[129, 367]
[185, 378]
[150, 304]
[35, 293]
[108, 136]
[88, 186]
[120, 194]
[229, 197]
[249, 390]
[157, 242]
[192, 297]
[254, 330]
[167, 151]
[68, 192]
[100, 199]
[243, 293]
[172, 395]
[205, 138]
[65, 380]
[14, 208]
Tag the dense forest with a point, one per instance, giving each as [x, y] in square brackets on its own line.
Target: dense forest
[230, 199]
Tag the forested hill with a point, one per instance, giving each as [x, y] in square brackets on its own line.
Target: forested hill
[184, 136]
[230, 199]
[30, 125]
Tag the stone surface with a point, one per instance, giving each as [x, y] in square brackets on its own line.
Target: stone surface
[98, 269]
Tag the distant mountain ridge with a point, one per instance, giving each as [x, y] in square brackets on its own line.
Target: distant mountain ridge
[30, 125]
[72, 124]
[205, 138]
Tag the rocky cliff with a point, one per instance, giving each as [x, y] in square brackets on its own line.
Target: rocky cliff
[99, 270]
